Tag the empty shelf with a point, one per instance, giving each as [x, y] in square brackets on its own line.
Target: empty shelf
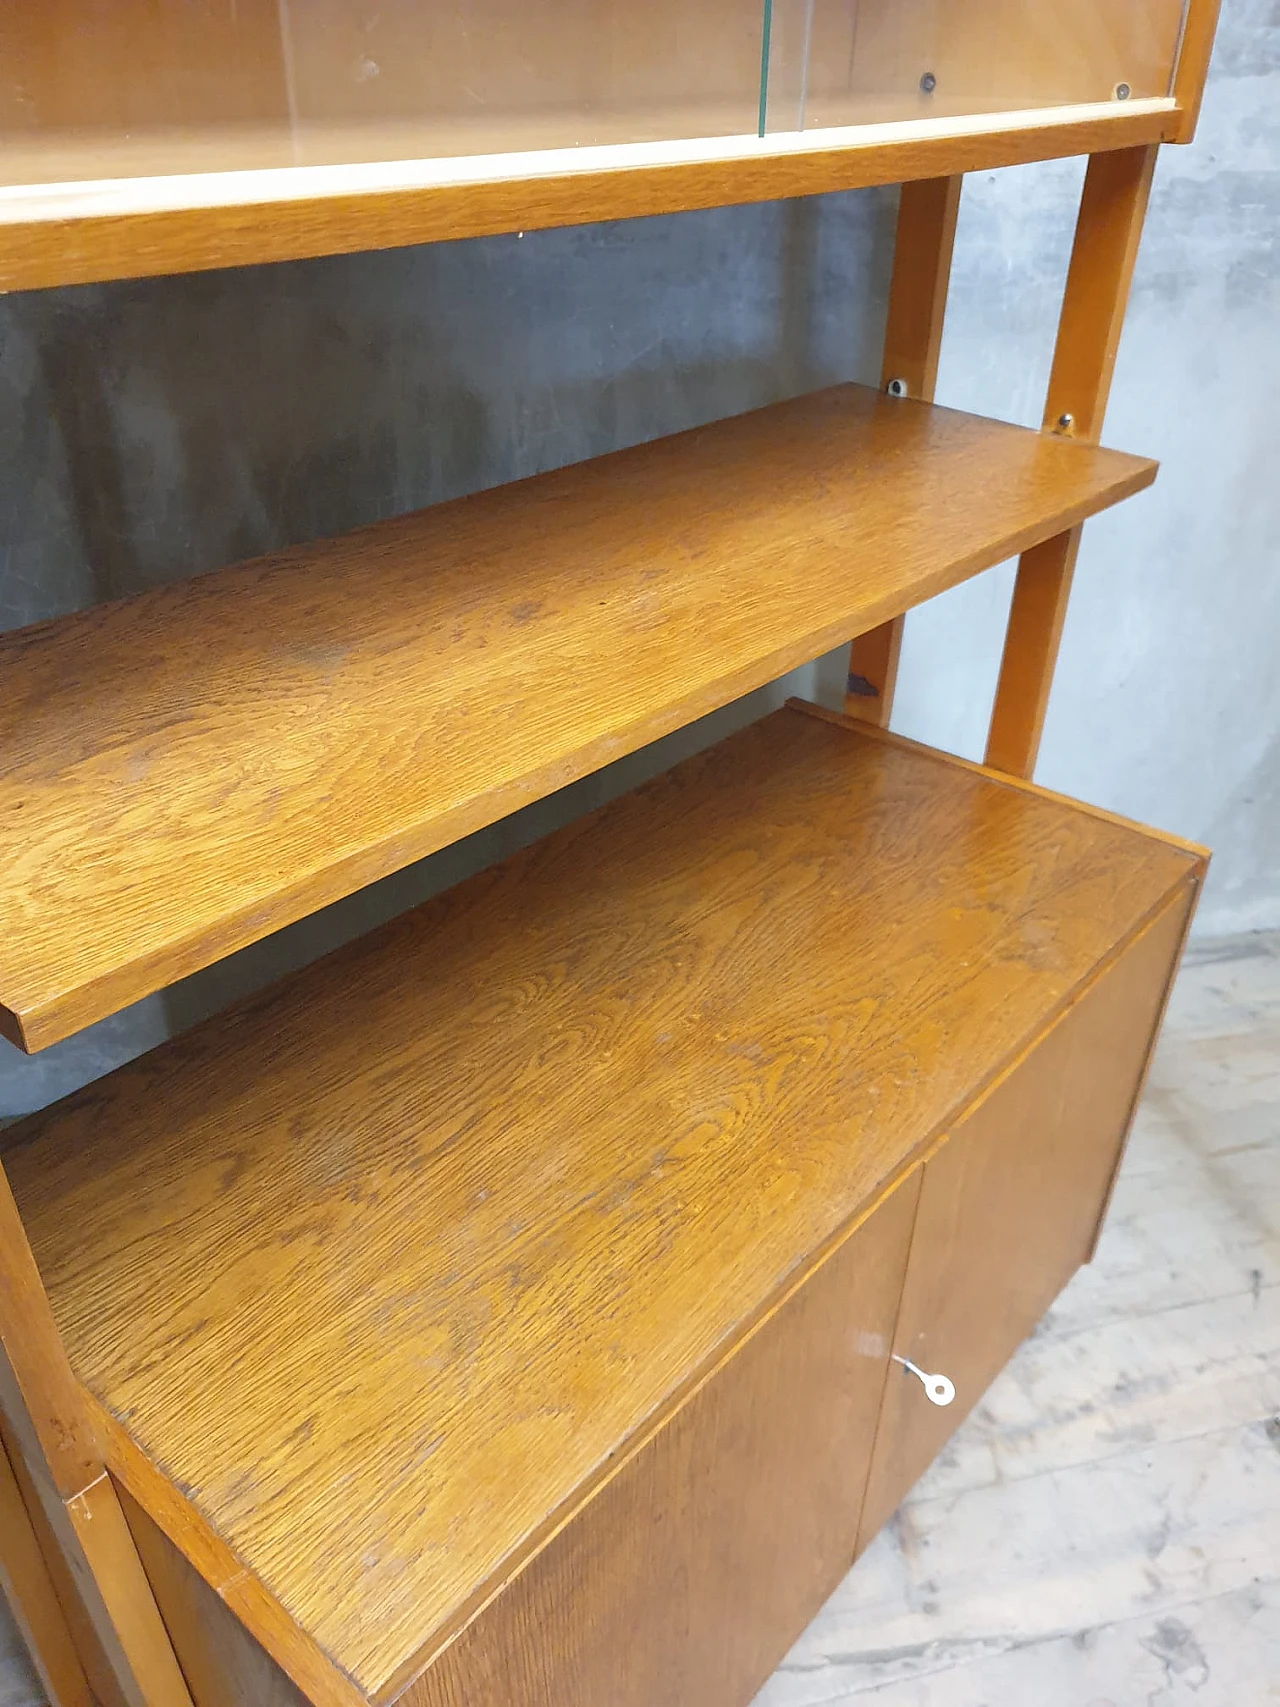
[190, 769]
[375, 1273]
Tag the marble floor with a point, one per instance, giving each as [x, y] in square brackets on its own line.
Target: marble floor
[1105, 1530]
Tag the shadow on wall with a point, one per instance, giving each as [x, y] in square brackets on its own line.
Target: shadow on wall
[154, 429]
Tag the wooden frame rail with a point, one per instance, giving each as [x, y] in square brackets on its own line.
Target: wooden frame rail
[28, 1587]
[1108, 230]
[48, 1420]
[1112, 209]
[926, 236]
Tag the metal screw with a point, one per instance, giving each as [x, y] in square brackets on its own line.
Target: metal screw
[928, 83]
[1065, 423]
[1123, 91]
[897, 388]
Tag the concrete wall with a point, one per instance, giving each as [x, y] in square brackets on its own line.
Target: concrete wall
[149, 430]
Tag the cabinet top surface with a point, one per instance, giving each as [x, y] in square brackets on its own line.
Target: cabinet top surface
[189, 769]
[381, 1266]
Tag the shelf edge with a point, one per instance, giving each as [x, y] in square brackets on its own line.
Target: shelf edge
[137, 228]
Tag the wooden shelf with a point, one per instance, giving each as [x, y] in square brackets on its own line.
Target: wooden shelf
[190, 769]
[375, 1274]
[78, 207]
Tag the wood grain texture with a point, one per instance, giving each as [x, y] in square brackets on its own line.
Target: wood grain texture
[694, 1568]
[223, 1665]
[1033, 635]
[192, 768]
[50, 1422]
[923, 245]
[103, 1681]
[1199, 854]
[43, 1389]
[1113, 208]
[89, 1538]
[136, 228]
[690, 1571]
[355, 1265]
[28, 1589]
[1198, 31]
[1009, 1204]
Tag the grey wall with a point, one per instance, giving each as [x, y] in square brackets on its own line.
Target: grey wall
[149, 430]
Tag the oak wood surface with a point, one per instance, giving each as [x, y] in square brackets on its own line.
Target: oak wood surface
[1009, 1204]
[1113, 207]
[87, 1535]
[192, 768]
[923, 246]
[378, 1269]
[88, 1647]
[80, 232]
[691, 1570]
[51, 1424]
[695, 1567]
[223, 1664]
[27, 1587]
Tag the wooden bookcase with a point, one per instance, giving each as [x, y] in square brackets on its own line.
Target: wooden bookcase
[511, 1308]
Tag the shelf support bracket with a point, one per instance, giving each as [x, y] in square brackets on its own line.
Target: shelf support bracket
[1112, 208]
[913, 338]
[48, 1421]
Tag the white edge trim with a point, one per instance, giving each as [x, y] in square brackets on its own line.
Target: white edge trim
[28, 203]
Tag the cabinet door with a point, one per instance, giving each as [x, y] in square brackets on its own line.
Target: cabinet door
[1009, 1206]
[686, 1578]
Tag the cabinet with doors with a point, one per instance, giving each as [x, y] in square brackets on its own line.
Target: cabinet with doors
[542, 1299]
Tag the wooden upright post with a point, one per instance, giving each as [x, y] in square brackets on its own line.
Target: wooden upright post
[1112, 209]
[27, 1585]
[48, 1420]
[1198, 30]
[913, 337]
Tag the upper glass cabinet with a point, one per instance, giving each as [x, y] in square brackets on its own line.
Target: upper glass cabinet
[108, 89]
[117, 88]
[842, 62]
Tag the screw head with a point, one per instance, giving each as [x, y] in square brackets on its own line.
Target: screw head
[1122, 91]
[1066, 422]
[897, 388]
[928, 83]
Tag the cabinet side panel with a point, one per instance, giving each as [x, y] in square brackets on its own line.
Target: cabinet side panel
[691, 1572]
[1010, 1203]
[224, 1666]
[103, 1684]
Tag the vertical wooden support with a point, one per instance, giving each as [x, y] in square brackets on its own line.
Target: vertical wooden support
[912, 340]
[28, 1589]
[50, 1424]
[1198, 30]
[1112, 209]
[102, 1677]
